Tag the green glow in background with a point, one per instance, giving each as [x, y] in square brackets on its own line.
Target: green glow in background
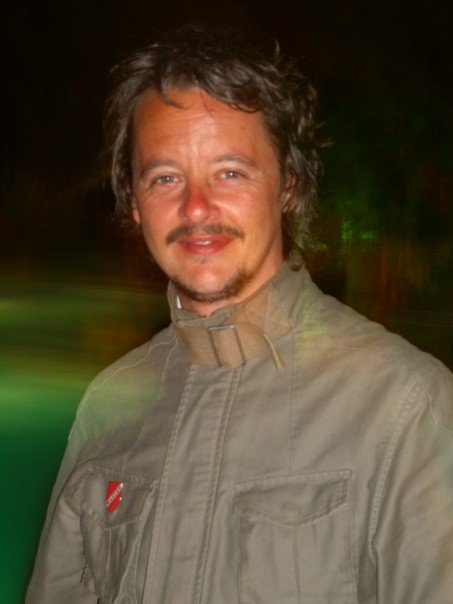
[73, 297]
[55, 336]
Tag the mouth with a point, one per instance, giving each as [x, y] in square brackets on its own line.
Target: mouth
[207, 244]
[203, 240]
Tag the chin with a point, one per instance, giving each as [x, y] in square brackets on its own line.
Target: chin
[208, 291]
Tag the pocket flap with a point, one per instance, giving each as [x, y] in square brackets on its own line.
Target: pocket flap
[292, 500]
[89, 494]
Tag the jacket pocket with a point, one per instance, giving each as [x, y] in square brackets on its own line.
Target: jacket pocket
[295, 539]
[112, 539]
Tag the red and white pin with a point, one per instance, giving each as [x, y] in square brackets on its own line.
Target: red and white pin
[113, 495]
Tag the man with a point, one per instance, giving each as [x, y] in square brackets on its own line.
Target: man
[271, 445]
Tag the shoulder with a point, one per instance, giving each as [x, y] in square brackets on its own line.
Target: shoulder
[137, 361]
[365, 353]
[124, 388]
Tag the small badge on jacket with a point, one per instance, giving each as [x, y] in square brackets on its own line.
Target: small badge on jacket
[113, 495]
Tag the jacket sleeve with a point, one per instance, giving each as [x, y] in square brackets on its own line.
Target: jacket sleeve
[60, 562]
[413, 539]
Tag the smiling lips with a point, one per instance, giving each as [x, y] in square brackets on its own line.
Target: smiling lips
[204, 244]
[208, 239]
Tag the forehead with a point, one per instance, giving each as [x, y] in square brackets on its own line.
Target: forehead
[193, 112]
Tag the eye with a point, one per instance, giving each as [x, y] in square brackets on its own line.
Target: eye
[230, 174]
[164, 179]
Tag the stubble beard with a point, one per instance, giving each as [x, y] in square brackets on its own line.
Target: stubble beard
[231, 289]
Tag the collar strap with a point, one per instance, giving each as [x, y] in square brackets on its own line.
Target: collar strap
[228, 345]
[248, 333]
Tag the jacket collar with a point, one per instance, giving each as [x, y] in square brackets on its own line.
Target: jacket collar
[234, 334]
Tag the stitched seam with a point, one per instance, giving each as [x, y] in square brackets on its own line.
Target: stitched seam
[352, 544]
[436, 421]
[392, 360]
[431, 410]
[309, 306]
[91, 468]
[240, 565]
[151, 347]
[256, 513]
[350, 553]
[78, 423]
[146, 512]
[277, 298]
[311, 477]
[291, 407]
[296, 565]
[77, 511]
[165, 367]
[107, 565]
[198, 584]
[144, 423]
[382, 480]
[161, 498]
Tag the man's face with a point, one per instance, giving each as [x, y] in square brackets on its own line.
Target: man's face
[207, 193]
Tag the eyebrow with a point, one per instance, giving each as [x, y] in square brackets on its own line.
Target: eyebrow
[236, 158]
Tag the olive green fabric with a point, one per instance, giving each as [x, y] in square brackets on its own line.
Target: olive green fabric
[247, 333]
[327, 480]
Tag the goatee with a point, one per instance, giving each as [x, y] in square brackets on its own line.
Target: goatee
[230, 289]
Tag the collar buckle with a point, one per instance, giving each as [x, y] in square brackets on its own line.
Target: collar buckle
[213, 330]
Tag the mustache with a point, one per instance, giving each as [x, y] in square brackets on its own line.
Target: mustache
[186, 230]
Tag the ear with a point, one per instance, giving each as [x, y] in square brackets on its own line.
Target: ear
[135, 211]
[287, 194]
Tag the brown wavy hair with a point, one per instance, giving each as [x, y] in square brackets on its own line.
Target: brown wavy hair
[237, 70]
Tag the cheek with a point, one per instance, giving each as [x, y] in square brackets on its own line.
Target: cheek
[154, 225]
[158, 233]
[267, 213]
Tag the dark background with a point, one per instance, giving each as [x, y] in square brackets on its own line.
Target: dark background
[75, 296]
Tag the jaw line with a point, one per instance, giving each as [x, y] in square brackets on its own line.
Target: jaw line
[229, 290]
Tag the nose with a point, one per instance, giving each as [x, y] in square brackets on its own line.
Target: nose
[197, 205]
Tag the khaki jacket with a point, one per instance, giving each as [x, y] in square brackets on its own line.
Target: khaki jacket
[318, 471]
